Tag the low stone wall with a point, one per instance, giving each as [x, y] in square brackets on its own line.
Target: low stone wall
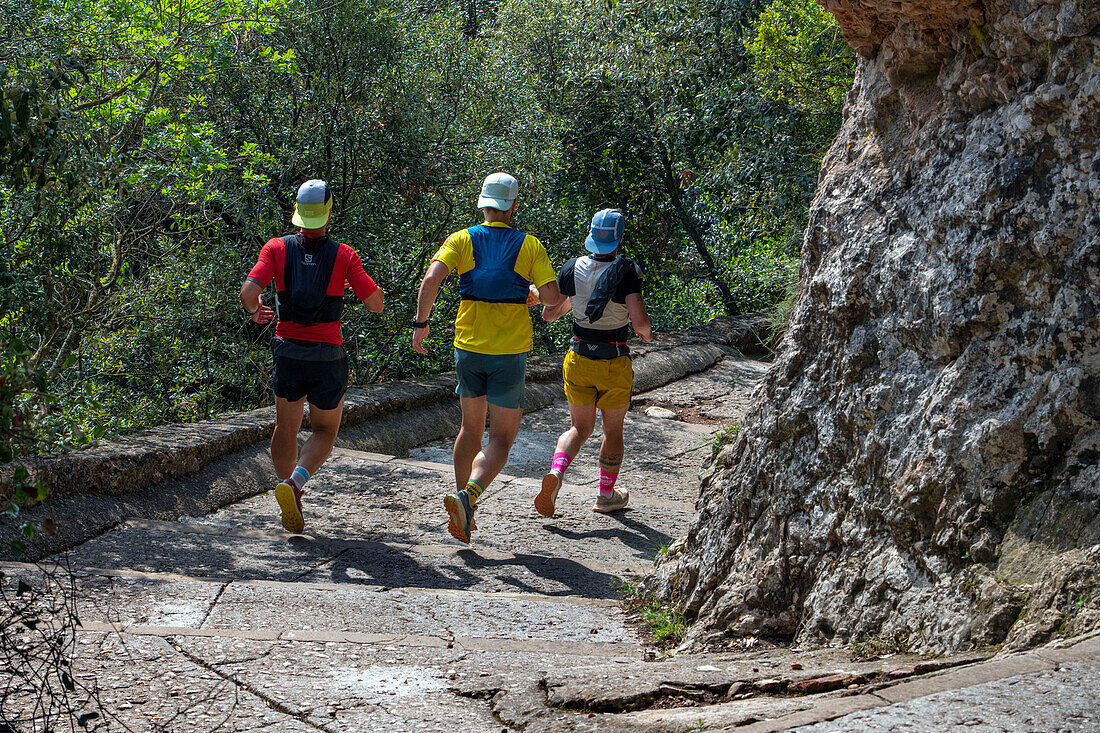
[175, 470]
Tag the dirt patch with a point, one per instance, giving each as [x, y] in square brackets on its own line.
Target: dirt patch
[695, 415]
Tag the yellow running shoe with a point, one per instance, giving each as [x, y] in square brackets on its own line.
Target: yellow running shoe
[290, 502]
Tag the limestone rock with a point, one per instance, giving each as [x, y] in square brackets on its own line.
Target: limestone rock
[923, 464]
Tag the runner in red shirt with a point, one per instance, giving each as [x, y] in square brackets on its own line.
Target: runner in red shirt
[310, 272]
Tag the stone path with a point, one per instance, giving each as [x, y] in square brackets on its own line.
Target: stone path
[371, 619]
[376, 620]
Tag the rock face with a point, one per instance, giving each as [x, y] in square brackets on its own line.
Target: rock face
[922, 468]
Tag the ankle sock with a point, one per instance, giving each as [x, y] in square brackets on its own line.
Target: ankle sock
[474, 490]
[560, 463]
[607, 482]
[298, 478]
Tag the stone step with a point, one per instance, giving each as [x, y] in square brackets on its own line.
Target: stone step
[616, 650]
[272, 609]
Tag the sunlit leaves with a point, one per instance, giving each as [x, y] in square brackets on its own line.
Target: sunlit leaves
[800, 56]
[183, 127]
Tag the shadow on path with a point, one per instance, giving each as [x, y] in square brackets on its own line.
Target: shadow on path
[641, 538]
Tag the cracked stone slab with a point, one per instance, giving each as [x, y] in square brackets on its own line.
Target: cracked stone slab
[202, 556]
[145, 683]
[720, 395]
[1062, 699]
[437, 613]
[209, 559]
[473, 570]
[376, 687]
[698, 678]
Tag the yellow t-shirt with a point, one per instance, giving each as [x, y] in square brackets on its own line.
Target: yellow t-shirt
[495, 328]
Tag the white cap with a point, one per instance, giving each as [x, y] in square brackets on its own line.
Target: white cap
[499, 191]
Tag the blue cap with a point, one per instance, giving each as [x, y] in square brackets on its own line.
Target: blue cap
[606, 233]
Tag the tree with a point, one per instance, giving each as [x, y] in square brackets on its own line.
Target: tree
[800, 56]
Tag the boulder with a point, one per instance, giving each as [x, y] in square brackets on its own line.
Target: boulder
[921, 469]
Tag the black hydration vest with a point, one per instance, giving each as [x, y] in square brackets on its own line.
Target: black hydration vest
[304, 298]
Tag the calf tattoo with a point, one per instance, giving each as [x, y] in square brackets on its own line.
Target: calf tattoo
[611, 459]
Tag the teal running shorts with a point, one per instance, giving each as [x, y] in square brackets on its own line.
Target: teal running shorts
[500, 377]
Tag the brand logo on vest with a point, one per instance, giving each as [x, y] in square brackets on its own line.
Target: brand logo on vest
[591, 347]
[308, 258]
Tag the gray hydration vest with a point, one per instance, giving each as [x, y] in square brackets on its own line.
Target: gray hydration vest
[600, 324]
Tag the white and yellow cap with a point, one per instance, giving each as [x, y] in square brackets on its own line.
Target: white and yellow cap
[313, 204]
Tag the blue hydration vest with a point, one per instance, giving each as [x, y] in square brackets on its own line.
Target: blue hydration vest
[493, 278]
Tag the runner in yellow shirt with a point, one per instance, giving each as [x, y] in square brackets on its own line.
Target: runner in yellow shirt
[501, 272]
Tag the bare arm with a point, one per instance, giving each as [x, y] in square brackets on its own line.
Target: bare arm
[254, 304]
[375, 301]
[429, 291]
[550, 295]
[553, 313]
[639, 317]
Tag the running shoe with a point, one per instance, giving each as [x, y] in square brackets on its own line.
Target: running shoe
[612, 502]
[290, 503]
[544, 502]
[461, 515]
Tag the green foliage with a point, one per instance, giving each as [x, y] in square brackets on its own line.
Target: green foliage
[723, 437]
[149, 150]
[24, 399]
[666, 625]
[781, 314]
[800, 56]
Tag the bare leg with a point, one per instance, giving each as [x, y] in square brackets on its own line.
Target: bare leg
[503, 426]
[468, 441]
[486, 463]
[284, 441]
[582, 420]
[611, 450]
[324, 425]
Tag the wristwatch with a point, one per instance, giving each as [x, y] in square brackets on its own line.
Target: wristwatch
[420, 324]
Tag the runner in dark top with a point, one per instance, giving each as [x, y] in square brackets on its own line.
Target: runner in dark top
[310, 272]
[604, 291]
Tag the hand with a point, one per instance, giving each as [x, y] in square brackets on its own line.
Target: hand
[532, 295]
[263, 314]
[419, 334]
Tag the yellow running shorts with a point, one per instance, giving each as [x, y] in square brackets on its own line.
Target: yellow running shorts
[605, 383]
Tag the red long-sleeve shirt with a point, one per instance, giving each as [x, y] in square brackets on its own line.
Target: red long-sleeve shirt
[348, 270]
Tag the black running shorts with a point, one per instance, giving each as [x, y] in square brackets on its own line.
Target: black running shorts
[307, 369]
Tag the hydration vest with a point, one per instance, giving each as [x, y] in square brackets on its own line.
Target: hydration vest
[599, 323]
[304, 298]
[493, 278]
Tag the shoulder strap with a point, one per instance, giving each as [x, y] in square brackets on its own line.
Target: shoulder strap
[290, 241]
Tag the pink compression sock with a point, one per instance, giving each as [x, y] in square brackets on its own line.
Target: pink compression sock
[607, 482]
[560, 463]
